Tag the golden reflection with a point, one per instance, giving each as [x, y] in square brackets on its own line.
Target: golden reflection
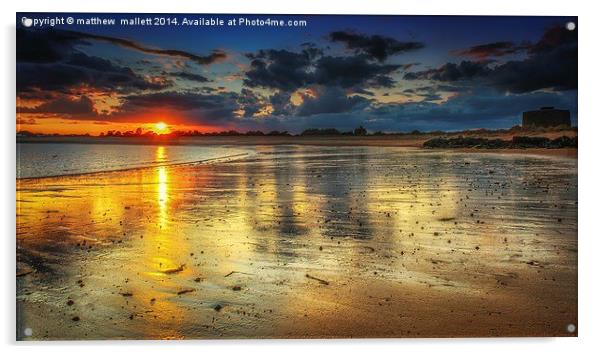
[178, 240]
[162, 181]
[162, 189]
[160, 154]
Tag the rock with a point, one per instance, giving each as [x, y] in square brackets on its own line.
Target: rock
[217, 307]
[321, 281]
[236, 288]
[462, 142]
[24, 273]
[75, 318]
[530, 142]
[185, 291]
[517, 142]
[174, 270]
[563, 142]
[70, 302]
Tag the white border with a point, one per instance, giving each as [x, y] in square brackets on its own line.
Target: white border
[590, 127]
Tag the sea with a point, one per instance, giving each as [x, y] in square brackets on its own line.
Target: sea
[36, 160]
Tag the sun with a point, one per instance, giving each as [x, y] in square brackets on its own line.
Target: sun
[160, 127]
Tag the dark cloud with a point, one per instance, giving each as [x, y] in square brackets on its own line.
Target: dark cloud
[375, 46]
[554, 39]
[199, 59]
[48, 60]
[250, 102]
[45, 46]
[178, 100]
[281, 103]
[192, 107]
[280, 69]
[52, 60]
[52, 45]
[427, 93]
[450, 72]
[551, 63]
[489, 50]
[330, 100]
[190, 76]
[196, 107]
[64, 105]
[80, 70]
[287, 71]
[352, 71]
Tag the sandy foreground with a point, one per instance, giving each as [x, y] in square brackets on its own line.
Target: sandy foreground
[303, 242]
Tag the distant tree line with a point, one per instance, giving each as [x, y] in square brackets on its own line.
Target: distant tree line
[359, 131]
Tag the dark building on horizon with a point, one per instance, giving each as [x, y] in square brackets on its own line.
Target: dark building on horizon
[547, 117]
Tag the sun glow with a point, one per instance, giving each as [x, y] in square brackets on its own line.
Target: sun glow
[160, 127]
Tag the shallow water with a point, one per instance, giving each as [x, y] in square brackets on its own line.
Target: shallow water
[303, 242]
[47, 159]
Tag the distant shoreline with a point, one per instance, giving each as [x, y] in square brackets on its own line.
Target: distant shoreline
[402, 140]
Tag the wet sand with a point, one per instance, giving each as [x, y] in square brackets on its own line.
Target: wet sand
[303, 242]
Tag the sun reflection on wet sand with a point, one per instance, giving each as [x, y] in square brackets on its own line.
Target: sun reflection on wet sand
[234, 249]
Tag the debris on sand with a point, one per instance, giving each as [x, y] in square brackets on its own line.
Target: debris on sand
[197, 279]
[174, 270]
[24, 273]
[128, 294]
[322, 281]
[235, 272]
[370, 249]
[185, 291]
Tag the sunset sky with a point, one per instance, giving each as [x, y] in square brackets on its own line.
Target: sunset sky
[388, 73]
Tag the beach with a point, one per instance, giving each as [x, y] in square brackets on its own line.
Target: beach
[303, 241]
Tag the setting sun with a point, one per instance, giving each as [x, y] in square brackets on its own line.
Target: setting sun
[160, 127]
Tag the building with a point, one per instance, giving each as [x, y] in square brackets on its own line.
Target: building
[547, 117]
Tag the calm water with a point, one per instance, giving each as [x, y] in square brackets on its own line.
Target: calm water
[43, 160]
[407, 242]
